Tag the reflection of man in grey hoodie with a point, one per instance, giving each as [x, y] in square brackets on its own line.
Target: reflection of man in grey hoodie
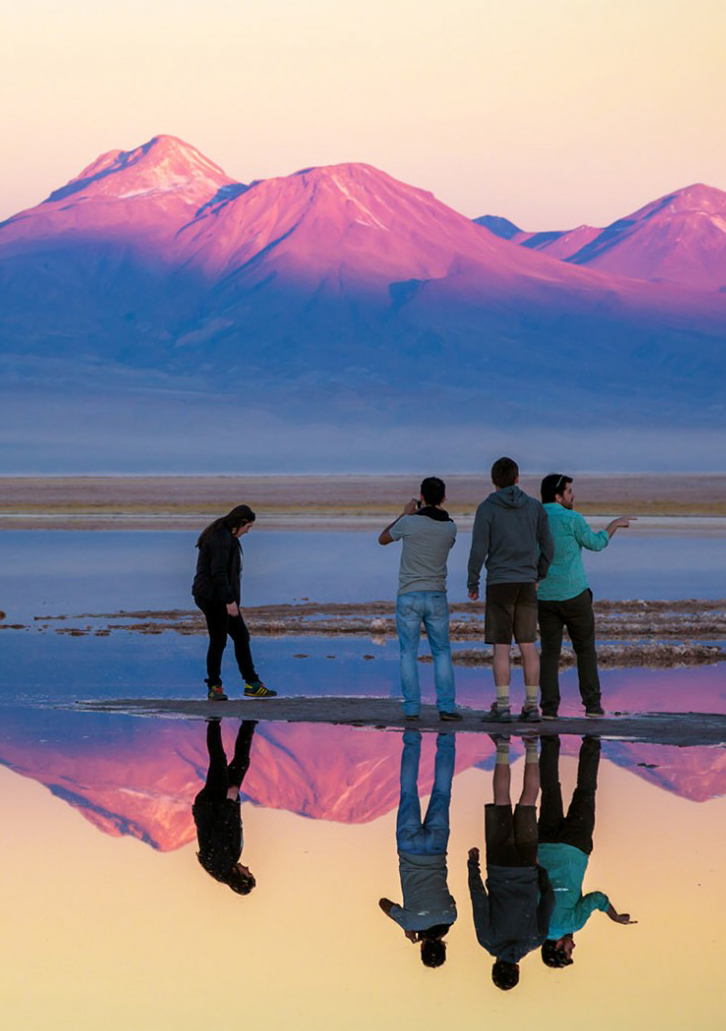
[511, 536]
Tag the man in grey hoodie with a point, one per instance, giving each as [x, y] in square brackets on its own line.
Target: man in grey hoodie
[512, 537]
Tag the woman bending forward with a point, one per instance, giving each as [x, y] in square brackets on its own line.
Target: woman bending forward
[216, 591]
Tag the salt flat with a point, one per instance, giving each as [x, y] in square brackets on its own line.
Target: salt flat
[665, 503]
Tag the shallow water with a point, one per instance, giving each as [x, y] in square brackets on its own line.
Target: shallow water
[111, 922]
[54, 572]
[49, 668]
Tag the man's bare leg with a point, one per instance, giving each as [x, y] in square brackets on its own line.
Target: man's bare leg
[502, 674]
[530, 664]
[502, 771]
[502, 665]
[530, 787]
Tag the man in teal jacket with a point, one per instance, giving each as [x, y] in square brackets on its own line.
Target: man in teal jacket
[564, 599]
[565, 846]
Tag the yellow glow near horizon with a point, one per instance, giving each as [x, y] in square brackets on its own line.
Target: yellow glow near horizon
[102, 932]
[549, 114]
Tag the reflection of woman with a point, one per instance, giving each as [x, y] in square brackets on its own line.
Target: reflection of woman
[216, 591]
[217, 810]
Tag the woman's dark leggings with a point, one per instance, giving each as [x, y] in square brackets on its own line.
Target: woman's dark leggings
[221, 776]
[220, 625]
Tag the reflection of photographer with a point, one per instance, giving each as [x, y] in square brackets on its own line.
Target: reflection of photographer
[428, 910]
[565, 847]
[217, 810]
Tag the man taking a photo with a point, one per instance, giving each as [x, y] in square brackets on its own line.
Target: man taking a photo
[428, 534]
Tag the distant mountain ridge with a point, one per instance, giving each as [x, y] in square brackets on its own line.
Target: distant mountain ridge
[336, 290]
[678, 238]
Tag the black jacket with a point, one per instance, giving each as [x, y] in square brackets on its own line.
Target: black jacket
[219, 567]
[219, 833]
[513, 917]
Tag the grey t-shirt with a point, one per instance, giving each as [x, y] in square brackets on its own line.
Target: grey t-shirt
[426, 546]
[426, 898]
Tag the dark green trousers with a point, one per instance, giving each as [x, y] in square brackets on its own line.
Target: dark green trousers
[576, 616]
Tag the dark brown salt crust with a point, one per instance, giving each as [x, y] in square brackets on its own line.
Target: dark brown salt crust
[654, 654]
[651, 633]
[689, 618]
[385, 714]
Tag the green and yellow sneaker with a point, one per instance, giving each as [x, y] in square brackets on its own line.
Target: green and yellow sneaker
[258, 690]
[216, 693]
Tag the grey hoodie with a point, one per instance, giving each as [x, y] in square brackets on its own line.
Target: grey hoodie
[512, 536]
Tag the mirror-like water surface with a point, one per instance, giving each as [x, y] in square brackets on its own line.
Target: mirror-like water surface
[111, 920]
[77, 572]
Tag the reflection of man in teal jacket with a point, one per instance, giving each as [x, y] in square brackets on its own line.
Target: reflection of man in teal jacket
[565, 845]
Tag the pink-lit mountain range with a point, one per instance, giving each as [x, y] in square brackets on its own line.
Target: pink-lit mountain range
[340, 228]
[343, 291]
[679, 239]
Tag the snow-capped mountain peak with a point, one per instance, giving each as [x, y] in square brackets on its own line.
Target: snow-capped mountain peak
[165, 164]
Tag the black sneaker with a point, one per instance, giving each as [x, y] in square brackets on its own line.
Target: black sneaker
[258, 690]
[549, 715]
[497, 715]
[411, 716]
[595, 712]
[216, 693]
[444, 715]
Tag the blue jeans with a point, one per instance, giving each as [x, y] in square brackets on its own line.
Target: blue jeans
[431, 608]
[430, 837]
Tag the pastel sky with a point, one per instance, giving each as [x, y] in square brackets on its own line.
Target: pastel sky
[549, 112]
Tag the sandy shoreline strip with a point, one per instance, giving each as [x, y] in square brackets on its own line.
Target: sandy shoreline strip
[665, 503]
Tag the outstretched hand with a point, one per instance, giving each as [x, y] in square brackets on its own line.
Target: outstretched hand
[620, 522]
[619, 918]
[624, 918]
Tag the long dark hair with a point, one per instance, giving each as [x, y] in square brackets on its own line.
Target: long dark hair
[239, 516]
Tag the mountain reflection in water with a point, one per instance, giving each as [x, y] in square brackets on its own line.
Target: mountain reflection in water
[136, 777]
